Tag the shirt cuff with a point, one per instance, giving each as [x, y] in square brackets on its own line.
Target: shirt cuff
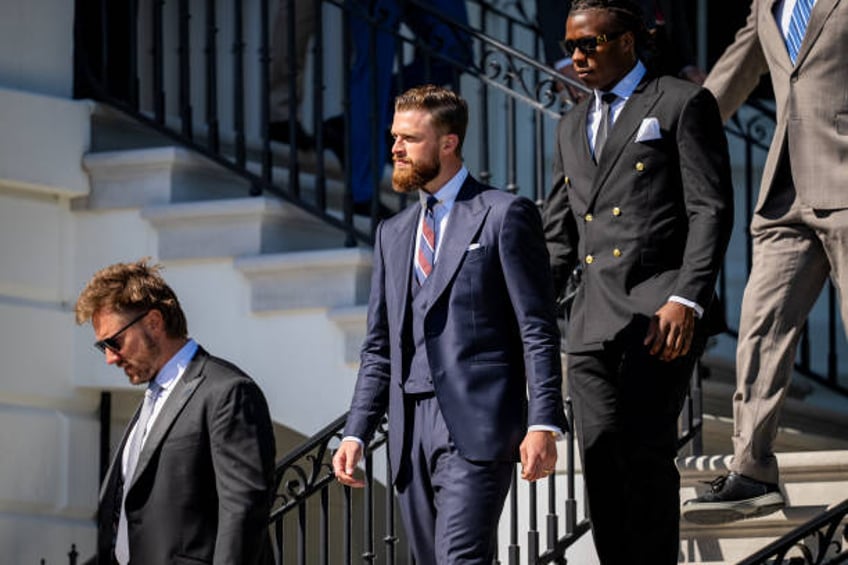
[693, 305]
[356, 439]
[555, 431]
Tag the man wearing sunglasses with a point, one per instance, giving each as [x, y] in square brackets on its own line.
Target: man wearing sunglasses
[642, 203]
[191, 480]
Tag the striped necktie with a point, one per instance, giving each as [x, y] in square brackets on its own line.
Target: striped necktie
[798, 27]
[426, 257]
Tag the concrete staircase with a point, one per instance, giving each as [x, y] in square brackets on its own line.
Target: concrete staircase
[264, 283]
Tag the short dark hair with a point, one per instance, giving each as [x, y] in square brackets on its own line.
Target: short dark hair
[449, 111]
[132, 288]
[628, 16]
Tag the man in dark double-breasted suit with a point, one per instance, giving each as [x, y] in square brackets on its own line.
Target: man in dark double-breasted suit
[461, 348]
[191, 480]
[642, 203]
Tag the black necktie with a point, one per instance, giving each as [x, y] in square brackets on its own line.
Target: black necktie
[607, 100]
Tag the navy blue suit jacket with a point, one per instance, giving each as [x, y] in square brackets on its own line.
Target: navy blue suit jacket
[491, 335]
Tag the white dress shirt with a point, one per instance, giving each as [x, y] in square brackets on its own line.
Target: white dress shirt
[166, 378]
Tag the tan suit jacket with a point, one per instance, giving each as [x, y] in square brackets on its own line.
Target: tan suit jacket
[811, 96]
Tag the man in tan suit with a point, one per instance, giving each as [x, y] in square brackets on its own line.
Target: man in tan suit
[799, 228]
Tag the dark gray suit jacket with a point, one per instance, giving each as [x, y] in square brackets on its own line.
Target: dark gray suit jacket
[652, 219]
[491, 334]
[203, 483]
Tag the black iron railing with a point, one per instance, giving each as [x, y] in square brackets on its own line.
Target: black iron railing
[316, 520]
[821, 541]
[198, 72]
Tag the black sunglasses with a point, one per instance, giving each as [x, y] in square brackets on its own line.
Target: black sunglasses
[588, 45]
[111, 342]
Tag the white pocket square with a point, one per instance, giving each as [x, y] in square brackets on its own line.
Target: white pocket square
[649, 130]
[473, 246]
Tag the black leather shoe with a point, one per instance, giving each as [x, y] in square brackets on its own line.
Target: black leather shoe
[733, 497]
[280, 131]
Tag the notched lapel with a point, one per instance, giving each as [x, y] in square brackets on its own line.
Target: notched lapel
[183, 390]
[821, 12]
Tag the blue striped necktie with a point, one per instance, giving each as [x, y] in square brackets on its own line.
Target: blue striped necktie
[797, 27]
[425, 259]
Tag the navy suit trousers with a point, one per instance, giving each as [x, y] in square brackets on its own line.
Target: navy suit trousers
[450, 506]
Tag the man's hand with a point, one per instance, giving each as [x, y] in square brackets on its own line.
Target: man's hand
[670, 331]
[345, 461]
[538, 455]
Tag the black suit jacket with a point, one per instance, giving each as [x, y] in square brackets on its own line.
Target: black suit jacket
[652, 219]
[202, 487]
[491, 336]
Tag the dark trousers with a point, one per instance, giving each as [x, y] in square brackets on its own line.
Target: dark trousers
[626, 404]
[450, 506]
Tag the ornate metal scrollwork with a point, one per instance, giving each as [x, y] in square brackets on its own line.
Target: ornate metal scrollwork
[821, 541]
[308, 469]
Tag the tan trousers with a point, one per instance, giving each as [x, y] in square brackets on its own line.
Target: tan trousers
[795, 249]
[304, 28]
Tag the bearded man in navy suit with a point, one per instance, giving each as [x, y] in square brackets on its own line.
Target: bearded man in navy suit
[462, 347]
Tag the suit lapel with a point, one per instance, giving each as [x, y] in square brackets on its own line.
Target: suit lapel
[624, 130]
[465, 219]
[771, 34]
[583, 143]
[821, 11]
[183, 390]
[400, 235]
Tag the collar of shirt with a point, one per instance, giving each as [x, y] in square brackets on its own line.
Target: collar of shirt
[176, 366]
[166, 378]
[446, 197]
[623, 90]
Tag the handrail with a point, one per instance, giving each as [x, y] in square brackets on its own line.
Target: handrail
[305, 481]
[823, 547]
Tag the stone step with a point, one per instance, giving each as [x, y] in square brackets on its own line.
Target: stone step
[351, 320]
[132, 178]
[237, 227]
[333, 278]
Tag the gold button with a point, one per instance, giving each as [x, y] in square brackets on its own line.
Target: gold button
[640, 166]
[589, 259]
[588, 217]
[616, 211]
[616, 252]
[567, 181]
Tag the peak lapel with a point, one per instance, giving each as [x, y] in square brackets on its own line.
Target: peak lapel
[466, 217]
[637, 107]
[398, 247]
